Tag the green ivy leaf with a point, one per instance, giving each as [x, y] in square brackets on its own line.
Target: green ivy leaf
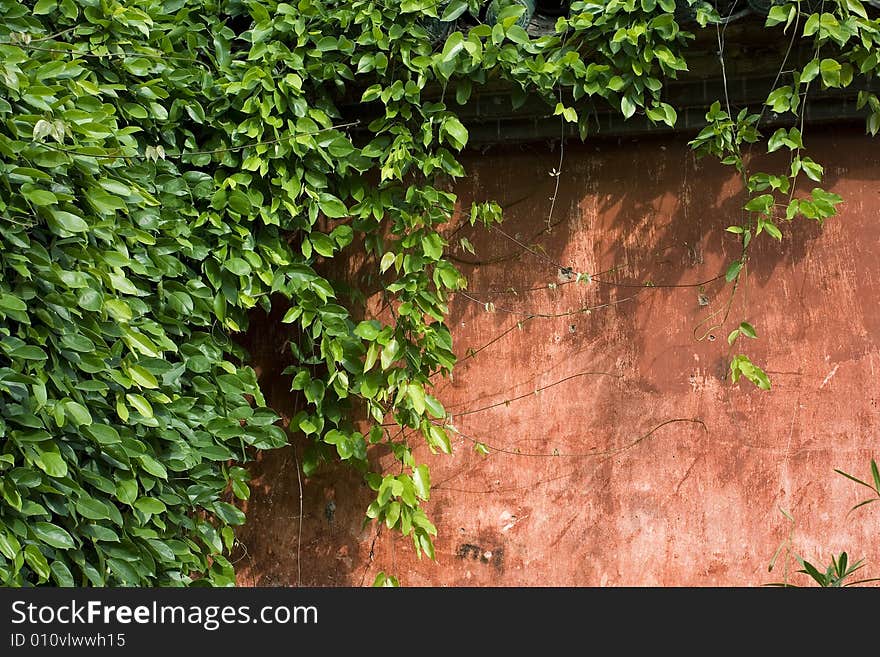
[153, 466]
[41, 197]
[149, 505]
[142, 377]
[422, 481]
[432, 246]
[52, 464]
[66, 223]
[748, 330]
[456, 131]
[78, 414]
[416, 395]
[331, 206]
[387, 261]
[93, 509]
[140, 404]
[140, 343]
[438, 438]
[733, 270]
[368, 330]
[517, 34]
[239, 202]
[228, 513]
[37, 561]
[28, 352]
[52, 534]
[390, 353]
[238, 266]
[322, 244]
[126, 491]
[44, 7]
[62, 575]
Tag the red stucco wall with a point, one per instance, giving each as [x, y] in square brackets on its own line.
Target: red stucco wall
[591, 499]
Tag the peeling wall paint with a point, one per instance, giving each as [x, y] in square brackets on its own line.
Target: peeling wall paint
[602, 478]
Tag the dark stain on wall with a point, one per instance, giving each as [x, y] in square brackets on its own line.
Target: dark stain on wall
[495, 556]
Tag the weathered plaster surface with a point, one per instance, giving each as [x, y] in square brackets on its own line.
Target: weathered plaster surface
[577, 490]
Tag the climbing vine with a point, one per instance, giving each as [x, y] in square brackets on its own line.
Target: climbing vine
[170, 167]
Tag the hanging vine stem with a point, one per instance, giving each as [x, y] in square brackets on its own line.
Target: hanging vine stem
[299, 530]
[509, 489]
[533, 315]
[528, 249]
[659, 286]
[795, 154]
[497, 259]
[558, 284]
[725, 138]
[536, 391]
[724, 311]
[557, 172]
[577, 455]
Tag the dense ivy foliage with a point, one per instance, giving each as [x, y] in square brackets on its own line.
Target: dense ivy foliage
[170, 166]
